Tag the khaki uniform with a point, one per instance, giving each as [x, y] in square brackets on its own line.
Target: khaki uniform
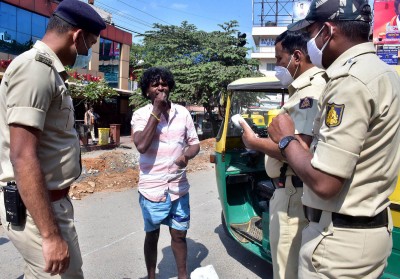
[358, 139]
[286, 210]
[33, 94]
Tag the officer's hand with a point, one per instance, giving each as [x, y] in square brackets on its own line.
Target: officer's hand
[281, 126]
[56, 255]
[248, 134]
[160, 103]
[181, 161]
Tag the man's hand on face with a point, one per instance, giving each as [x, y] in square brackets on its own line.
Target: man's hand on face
[160, 103]
[280, 127]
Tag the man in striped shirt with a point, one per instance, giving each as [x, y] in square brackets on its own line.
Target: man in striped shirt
[165, 136]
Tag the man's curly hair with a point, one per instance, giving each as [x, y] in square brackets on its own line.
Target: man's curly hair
[154, 74]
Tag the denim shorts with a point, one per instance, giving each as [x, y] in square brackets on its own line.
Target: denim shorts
[175, 214]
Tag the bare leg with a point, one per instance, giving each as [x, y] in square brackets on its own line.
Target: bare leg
[179, 247]
[150, 252]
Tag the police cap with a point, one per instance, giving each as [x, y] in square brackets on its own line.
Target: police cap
[80, 15]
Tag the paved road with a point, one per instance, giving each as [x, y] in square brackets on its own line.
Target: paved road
[111, 237]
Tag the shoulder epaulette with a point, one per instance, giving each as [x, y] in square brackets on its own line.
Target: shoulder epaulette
[344, 70]
[44, 59]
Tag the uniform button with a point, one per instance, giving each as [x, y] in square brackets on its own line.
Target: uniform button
[350, 61]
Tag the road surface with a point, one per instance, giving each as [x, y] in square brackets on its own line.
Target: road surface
[111, 236]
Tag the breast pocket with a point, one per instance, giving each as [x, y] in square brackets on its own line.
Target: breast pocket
[65, 120]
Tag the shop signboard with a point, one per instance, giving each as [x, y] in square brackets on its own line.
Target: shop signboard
[386, 22]
[388, 55]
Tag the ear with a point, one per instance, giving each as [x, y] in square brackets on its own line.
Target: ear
[328, 30]
[76, 34]
[297, 55]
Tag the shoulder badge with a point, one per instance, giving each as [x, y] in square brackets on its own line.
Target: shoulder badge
[305, 103]
[334, 114]
[44, 59]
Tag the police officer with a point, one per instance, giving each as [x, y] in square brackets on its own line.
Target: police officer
[305, 84]
[353, 170]
[39, 145]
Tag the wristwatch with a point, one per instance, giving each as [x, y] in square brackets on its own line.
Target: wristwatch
[284, 142]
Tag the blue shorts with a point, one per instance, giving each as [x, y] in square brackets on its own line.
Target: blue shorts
[174, 214]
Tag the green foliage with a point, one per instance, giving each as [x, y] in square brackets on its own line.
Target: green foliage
[90, 91]
[203, 63]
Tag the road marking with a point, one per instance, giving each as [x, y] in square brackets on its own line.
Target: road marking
[110, 244]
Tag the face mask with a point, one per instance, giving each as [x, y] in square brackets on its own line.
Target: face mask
[82, 61]
[314, 52]
[284, 75]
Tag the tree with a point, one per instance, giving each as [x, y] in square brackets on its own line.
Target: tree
[203, 63]
[89, 89]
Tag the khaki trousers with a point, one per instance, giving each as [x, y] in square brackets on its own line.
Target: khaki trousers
[286, 224]
[28, 241]
[331, 252]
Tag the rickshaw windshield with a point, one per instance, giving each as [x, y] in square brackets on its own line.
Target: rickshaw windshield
[254, 107]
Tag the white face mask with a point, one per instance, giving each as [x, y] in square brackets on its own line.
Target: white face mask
[314, 52]
[82, 61]
[284, 75]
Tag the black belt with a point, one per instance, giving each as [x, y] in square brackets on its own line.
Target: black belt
[347, 221]
[296, 181]
[56, 195]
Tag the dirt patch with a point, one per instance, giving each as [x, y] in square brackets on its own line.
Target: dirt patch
[118, 170]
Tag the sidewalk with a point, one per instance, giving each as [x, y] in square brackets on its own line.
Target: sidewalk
[125, 141]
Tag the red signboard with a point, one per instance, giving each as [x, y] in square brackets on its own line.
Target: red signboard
[386, 22]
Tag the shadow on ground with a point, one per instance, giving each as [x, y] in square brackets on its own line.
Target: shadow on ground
[197, 252]
[256, 265]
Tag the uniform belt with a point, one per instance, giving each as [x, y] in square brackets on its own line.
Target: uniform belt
[347, 221]
[56, 195]
[296, 181]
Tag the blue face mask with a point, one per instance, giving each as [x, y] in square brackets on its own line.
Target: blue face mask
[82, 61]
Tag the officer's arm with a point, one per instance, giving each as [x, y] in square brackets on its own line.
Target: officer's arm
[267, 146]
[31, 184]
[321, 183]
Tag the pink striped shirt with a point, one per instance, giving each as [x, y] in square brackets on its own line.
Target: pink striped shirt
[158, 172]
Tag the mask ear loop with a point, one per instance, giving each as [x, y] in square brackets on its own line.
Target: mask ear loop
[296, 68]
[84, 41]
[323, 47]
[290, 61]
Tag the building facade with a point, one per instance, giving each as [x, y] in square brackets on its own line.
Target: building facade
[271, 18]
[23, 22]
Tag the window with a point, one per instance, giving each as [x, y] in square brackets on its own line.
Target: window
[109, 56]
[270, 66]
[19, 29]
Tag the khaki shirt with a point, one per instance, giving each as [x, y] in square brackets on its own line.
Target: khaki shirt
[358, 133]
[302, 106]
[33, 94]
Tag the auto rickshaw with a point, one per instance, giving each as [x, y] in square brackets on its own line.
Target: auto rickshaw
[243, 185]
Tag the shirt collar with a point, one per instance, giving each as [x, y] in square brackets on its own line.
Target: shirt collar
[303, 80]
[349, 54]
[42, 47]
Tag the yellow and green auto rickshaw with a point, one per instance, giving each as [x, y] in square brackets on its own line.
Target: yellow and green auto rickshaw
[243, 185]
